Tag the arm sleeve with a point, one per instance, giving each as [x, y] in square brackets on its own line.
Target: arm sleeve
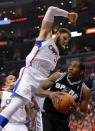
[54, 11]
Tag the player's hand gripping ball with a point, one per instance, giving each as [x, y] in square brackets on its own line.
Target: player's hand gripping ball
[64, 103]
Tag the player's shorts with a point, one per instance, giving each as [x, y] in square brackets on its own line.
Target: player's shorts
[15, 127]
[47, 122]
[27, 84]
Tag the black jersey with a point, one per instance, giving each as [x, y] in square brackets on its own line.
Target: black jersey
[63, 84]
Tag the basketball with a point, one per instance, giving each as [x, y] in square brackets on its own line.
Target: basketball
[66, 101]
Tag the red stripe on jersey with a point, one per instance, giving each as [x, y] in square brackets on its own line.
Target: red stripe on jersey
[31, 61]
[22, 72]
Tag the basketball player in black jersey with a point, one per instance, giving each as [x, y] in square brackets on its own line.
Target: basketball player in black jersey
[71, 82]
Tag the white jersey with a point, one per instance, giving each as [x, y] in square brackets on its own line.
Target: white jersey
[21, 72]
[44, 56]
[20, 115]
[39, 63]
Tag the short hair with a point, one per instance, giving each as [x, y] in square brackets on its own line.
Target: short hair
[64, 30]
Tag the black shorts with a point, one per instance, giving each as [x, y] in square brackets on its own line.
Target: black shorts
[53, 123]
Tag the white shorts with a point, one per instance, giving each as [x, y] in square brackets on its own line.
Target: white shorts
[15, 127]
[29, 81]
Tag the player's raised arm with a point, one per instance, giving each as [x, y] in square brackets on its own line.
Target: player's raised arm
[47, 23]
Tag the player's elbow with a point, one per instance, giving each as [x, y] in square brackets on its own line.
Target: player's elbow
[51, 8]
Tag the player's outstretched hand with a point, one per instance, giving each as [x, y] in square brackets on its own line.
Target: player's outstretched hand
[72, 16]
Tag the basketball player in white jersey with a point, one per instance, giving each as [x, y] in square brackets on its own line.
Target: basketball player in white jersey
[17, 120]
[40, 62]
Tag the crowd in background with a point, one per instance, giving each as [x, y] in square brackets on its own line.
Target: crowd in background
[87, 123]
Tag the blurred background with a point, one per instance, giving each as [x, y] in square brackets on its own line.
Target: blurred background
[20, 22]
